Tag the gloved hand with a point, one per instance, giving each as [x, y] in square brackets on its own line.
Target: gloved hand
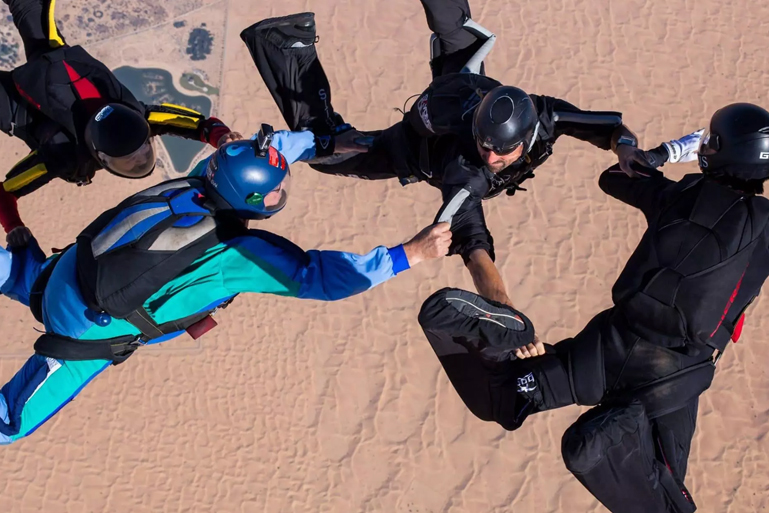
[352, 141]
[213, 131]
[19, 237]
[632, 160]
[517, 180]
[477, 180]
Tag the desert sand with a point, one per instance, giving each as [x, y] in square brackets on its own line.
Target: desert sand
[292, 406]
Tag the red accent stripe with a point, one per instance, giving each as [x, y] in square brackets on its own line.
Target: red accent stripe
[273, 157]
[84, 87]
[729, 303]
[738, 329]
[27, 97]
[9, 211]
[664, 458]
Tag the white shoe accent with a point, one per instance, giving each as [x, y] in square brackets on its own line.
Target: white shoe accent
[433, 52]
[684, 149]
[475, 62]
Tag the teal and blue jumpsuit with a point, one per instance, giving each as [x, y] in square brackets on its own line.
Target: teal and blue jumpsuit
[245, 264]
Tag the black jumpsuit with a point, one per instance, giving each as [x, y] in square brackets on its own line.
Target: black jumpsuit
[48, 101]
[297, 82]
[677, 302]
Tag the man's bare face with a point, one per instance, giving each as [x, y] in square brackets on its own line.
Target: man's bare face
[496, 162]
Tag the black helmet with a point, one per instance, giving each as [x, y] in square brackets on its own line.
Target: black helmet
[118, 137]
[505, 119]
[737, 143]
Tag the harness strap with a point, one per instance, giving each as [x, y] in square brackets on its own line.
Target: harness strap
[672, 392]
[117, 350]
[142, 320]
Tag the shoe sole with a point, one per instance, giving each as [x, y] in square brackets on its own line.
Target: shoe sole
[483, 312]
[283, 21]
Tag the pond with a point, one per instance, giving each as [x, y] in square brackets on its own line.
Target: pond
[156, 86]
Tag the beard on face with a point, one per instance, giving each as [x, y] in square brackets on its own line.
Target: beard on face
[497, 166]
[497, 163]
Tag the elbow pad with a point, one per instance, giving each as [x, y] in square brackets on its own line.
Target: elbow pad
[174, 115]
[609, 119]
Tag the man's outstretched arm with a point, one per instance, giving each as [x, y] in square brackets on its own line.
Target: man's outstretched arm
[464, 188]
[28, 175]
[486, 277]
[168, 119]
[644, 189]
[269, 264]
[489, 284]
[602, 129]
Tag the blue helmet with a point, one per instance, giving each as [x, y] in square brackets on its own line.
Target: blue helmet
[249, 178]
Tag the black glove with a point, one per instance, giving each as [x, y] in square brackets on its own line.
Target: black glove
[658, 156]
[477, 180]
[18, 238]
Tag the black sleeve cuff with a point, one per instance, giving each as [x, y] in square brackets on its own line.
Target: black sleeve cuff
[324, 145]
[658, 156]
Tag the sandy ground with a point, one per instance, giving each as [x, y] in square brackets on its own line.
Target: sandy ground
[296, 406]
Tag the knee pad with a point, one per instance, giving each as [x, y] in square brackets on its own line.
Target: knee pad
[611, 451]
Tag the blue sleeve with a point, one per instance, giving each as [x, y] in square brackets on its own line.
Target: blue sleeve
[332, 275]
[19, 269]
[266, 263]
[295, 146]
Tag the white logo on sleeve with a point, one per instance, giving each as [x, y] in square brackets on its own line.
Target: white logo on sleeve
[527, 383]
[424, 114]
[764, 155]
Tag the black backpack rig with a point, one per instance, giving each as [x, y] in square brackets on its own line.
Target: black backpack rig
[702, 267]
[127, 254]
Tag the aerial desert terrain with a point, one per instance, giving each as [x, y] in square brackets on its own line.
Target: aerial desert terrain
[300, 406]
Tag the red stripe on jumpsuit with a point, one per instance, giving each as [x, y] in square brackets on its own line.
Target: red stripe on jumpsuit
[84, 87]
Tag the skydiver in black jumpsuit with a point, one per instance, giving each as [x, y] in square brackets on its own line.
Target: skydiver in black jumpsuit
[679, 300]
[76, 117]
[469, 148]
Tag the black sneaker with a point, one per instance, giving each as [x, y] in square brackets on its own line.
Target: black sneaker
[294, 31]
